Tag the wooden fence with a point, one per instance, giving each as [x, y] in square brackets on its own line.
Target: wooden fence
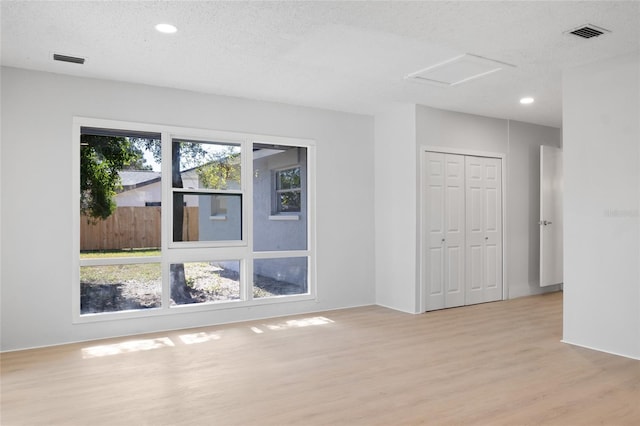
[132, 227]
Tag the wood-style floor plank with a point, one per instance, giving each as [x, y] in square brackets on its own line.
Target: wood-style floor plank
[493, 364]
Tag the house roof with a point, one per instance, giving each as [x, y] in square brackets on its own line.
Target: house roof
[132, 179]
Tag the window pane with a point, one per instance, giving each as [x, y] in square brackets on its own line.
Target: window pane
[279, 277]
[205, 282]
[208, 165]
[207, 217]
[279, 197]
[288, 179]
[288, 201]
[120, 193]
[111, 288]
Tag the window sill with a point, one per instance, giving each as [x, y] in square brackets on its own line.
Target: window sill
[192, 308]
[284, 217]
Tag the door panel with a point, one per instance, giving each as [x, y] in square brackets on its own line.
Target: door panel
[551, 256]
[491, 251]
[444, 199]
[492, 206]
[455, 231]
[493, 229]
[455, 270]
[484, 230]
[434, 226]
[474, 209]
[435, 272]
[475, 271]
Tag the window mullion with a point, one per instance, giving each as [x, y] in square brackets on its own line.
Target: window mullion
[166, 220]
[246, 278]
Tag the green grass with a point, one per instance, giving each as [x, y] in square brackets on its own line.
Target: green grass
[109, 274]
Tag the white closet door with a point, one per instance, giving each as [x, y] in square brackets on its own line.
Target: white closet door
[484, 229]
[444, 230]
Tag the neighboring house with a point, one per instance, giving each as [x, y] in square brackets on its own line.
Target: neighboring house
[139, 188]
[142, 188]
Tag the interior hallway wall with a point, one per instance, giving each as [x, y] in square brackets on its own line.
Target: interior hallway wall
[601, 110]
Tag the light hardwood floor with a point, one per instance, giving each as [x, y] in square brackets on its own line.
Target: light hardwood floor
[493, 364]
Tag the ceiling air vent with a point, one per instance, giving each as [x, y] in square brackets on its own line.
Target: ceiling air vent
[588, 31]
[66, 58]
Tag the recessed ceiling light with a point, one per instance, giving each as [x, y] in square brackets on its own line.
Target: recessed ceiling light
[166, 28]
[526, 101]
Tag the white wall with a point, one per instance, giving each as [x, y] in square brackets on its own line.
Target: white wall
[601, 113]
[523, 206]
[395, 208]
[397, 148]
[37, 226]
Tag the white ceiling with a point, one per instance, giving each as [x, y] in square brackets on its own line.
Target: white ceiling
[346, 56]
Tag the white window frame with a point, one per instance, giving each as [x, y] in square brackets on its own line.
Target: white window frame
[244, 179]
[180, 252]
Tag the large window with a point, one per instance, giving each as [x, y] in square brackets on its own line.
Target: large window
[164, 220]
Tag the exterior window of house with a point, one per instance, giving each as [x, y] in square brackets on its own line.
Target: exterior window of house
[288, 191]
[162, 220]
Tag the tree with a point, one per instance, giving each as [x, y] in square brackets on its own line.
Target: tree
[221, 171]
[101, 158]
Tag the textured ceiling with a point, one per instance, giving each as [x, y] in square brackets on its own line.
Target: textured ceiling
[346, 56]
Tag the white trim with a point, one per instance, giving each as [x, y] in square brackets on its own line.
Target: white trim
[599, 350]
[475, 153]
[181, 252]
[75, 217]
[207, 191]
[178, 245]
[218, 217]
[89, 261]
[470, 152]
[280, 254]
[284, 217]
[166, 224]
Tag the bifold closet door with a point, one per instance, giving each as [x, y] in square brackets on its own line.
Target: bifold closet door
[444, 230]
[483, 229]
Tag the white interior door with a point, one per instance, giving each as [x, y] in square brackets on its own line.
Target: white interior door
[551, 260]
[443, 230]
[483, 229]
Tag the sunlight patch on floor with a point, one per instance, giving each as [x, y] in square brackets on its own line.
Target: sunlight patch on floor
[190, 339]
[126, 347]
[297, 323]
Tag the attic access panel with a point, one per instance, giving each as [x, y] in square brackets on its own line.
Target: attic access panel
[457, 70]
